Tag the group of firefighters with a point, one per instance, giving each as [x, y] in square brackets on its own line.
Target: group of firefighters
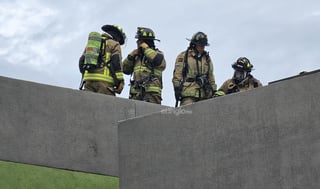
[193, 79]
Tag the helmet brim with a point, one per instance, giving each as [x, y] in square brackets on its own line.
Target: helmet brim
[236, 67]
[107, 28]
[146, 38]
[198, 43]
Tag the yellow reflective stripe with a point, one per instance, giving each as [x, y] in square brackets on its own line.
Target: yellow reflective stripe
[193, 93]
[141, 69]
[157, 72]
[133, 90]
[148, 51]
[97, 77]
[153, 89]
[219, 93]
[119, 75]
[105, 76]
[108, 56]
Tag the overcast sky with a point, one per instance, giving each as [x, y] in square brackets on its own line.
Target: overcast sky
[41, 41]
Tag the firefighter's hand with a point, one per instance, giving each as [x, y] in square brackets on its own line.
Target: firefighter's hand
[143, 45]
[120, 87]
[177, 93]
[133, 54]
[218, 93]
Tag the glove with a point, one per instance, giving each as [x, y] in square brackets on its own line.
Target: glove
[218, 93]
[177, 93]
[120, 87]
[133, 54]
[143, 45]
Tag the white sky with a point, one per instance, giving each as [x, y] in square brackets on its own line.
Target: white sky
[41, 41]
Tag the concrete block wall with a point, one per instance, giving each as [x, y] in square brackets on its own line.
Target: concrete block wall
[63, 128]
[264, 138]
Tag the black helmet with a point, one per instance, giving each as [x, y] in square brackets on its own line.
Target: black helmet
[199, 38]
[145, 34]
[116, 32]
[242, 64]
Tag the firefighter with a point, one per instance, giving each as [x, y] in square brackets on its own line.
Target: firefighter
[193, 78]
[146, 64]
[242, 79]
[106, 77]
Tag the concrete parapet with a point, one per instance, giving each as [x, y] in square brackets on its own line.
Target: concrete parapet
[63, 128]
[264, 138]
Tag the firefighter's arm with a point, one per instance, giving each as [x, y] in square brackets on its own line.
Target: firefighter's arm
[159, 62]
[177, 79]
[177, 72]
[116, 67]
[115, 57]
[128, 63]
[224, 87]
[155, 57]
[115, 61]
[120, 87]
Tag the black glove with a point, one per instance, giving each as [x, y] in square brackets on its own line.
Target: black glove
[177, 93]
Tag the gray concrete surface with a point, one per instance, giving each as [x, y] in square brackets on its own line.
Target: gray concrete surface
[267, 138]
[62, 128]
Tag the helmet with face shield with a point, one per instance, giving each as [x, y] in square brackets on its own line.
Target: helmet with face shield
[242, 68]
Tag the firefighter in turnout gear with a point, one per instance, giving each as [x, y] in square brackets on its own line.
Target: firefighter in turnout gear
[145, 65]
[193, 78]
[242, 79]
[107, 78]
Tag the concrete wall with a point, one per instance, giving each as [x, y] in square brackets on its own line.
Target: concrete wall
[62, 128]
[265, 138]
